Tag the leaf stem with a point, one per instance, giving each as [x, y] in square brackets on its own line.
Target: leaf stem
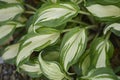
[31, 7]
[79, 22]
[107, 36]
[91, 27]
[84, 13]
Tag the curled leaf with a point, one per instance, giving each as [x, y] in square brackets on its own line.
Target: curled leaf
[36, 41]
[101, 51]
[51, 69]
[115, 28]
[32, 70]
[72, 47]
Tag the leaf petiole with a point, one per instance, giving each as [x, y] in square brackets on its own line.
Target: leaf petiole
[91, 27]
[107, 36]
[31, 7]
[84, 13]
[79, 22]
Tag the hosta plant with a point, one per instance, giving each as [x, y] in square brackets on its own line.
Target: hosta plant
[61, 39]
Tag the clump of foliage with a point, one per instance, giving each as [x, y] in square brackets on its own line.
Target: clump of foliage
[60, 39]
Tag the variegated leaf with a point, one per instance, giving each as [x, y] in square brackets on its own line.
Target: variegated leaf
[104, 10]
[36, 41]
[115, 28]
[55, 14]
[101, 51]
[6, 31]
[72, 47]
[51, 70]
[10, 11]
[101, 74]
[32, 70]
[32, 28]
[11, 52]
